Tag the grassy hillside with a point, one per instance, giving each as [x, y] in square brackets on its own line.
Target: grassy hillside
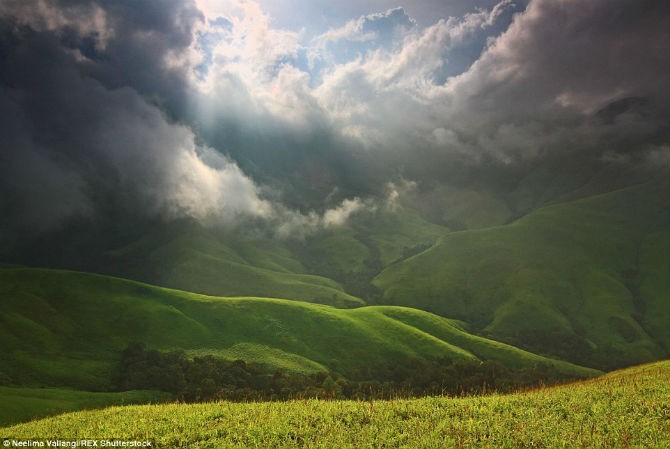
[392, 232]
[460, 208]
[186, 256]
[585, 280]
[63, 328]
[628, 408]
[355, 253]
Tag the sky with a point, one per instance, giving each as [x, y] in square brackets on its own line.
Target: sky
[301, 113]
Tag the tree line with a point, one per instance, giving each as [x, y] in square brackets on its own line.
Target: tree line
[206, 378]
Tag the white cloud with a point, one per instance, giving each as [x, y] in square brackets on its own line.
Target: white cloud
[249, 47]
[250, 73]
[387, 95]
[219, 194]
[472, 22]
[391, 97]
[294, 224]
[384, 27]
[162, 163]
[396, 191]
[383, 94]
[339, 215]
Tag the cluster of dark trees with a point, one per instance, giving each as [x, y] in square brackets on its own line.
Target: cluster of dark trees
[208, 378]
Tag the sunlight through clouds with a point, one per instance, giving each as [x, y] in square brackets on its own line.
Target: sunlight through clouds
[346, 102]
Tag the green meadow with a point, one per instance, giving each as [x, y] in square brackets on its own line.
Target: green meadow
[623, 409]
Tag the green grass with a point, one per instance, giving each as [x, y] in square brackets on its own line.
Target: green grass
[653, 285]
[590, 275]
[342, 251]
[625, 409]
[463, 208]
[52, 321]
[391, 231]
[355, 253]
[24, 404]
[189, 257]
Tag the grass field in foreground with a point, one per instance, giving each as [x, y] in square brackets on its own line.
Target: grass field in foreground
[628, 408]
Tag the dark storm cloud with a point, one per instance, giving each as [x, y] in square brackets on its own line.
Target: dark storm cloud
[37, 191]
[538, 91]
[82, 122]
[573, 57]
[120, 43]
[535, 90]
[147, 52]
[170, 110]
[97, 98]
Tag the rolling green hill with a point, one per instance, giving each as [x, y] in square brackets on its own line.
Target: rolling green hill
[332, 266]
[187, 256]
[628, 408]
[355, 253]
[62, 328]
[585, 280]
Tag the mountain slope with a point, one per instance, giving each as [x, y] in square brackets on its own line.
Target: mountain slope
[53, 321]
[190, 257]
[584, 280]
